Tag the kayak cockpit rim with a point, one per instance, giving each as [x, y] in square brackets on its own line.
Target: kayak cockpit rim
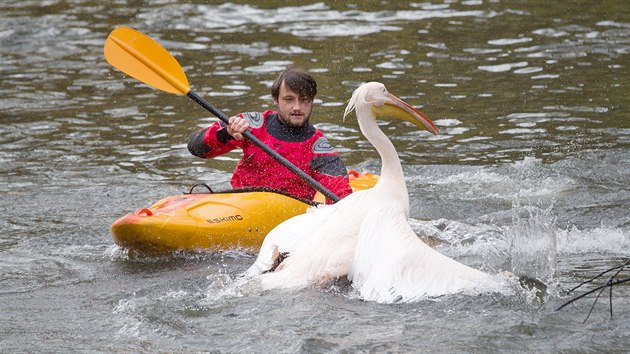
[251, 190]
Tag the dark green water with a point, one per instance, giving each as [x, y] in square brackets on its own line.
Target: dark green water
[530, 172]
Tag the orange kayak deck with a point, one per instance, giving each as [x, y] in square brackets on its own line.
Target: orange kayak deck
[232, 219]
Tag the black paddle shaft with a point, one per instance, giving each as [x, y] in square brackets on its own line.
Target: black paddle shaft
[286, 163]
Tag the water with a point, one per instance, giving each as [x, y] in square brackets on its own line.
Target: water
[529, 174]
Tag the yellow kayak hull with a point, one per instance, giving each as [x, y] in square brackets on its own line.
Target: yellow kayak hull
[213, 221]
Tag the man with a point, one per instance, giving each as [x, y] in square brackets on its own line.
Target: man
[287, 131]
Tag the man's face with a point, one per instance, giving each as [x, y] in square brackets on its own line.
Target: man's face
[293, 110]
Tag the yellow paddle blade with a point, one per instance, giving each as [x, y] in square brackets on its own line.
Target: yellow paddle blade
[140, 57]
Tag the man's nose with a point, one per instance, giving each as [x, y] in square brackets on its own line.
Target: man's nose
[297, 105]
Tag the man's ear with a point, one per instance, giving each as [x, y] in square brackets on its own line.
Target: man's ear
[275, 101]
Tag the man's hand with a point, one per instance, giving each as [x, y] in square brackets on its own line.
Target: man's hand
[237, 126]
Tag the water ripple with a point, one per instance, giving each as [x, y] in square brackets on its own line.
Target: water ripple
[317, 20]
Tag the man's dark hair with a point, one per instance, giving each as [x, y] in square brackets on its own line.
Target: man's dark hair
[298, 81]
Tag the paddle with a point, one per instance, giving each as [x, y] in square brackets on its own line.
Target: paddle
[140, 57]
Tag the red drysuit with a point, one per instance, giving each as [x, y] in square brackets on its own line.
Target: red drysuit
[306, 147]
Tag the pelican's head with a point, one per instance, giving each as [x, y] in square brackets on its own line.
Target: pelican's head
[384, 104]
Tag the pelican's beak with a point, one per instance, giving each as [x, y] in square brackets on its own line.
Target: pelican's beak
[394, 107]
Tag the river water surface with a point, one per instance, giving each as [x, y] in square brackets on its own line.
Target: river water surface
[530, 174]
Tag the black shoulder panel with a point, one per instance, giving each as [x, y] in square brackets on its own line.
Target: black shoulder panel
[329, 165]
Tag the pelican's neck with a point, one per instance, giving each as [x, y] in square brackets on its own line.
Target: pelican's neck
[392, 178]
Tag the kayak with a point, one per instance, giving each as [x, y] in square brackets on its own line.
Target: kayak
[236, 218]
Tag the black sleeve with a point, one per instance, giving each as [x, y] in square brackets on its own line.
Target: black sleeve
[196, 145]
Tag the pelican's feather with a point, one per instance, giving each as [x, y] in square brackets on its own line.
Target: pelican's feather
[391, 264]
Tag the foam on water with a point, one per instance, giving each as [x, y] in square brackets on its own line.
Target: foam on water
[517, 229]
[605, 240]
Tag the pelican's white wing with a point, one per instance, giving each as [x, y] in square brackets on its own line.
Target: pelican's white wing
[329, 238]
[391, 264]
[286, 237]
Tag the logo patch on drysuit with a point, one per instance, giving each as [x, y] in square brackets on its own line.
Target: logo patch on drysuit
[255, 119]
[322, 146]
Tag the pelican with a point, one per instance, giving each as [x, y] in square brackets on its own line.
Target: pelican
[366, 236]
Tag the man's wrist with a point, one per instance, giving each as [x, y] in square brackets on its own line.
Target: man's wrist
[223, 136]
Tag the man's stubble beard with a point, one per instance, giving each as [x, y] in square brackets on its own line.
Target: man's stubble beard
[288, 122]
